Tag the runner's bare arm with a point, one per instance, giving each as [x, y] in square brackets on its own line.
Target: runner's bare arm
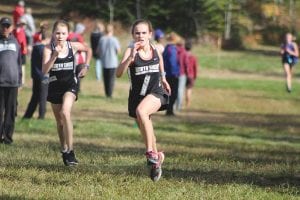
[48, 59]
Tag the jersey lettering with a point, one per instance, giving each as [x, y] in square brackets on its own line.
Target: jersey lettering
[62, 66]
[8, 47]
[146, 69]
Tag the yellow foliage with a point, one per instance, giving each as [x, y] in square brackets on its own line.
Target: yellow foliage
[270, 10]
[246, 22]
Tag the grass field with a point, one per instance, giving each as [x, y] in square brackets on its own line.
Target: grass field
[239, 140]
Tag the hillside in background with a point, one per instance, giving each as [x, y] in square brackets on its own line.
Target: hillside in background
[42, 10]
[239, 23]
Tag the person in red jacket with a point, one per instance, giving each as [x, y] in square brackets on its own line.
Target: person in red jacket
[191, 72]
[77, 36]
[19, 33]
[37, 37]
[18, 12]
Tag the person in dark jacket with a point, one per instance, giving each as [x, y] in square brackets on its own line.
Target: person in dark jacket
[94, 40]
[10, 80]
[39, 81]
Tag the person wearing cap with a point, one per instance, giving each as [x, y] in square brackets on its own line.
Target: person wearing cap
[19, 33]
[158, 37]
[10, 80]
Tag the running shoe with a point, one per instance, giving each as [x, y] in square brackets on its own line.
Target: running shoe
[156, 169]
[155, 174]
[5, 140]
[72, 159]
[65, 156]
[151, 157]
[69, 158]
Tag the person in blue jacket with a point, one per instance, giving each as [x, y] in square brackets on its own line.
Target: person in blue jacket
[172, 69]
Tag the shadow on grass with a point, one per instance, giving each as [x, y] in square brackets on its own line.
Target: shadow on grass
[273, 53]
[113, 160]
[109, 159]
[271, 122]
[13, 197]
[274, 123]
[225, 177]
[293, 99]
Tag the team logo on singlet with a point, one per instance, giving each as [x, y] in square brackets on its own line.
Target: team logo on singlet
[62, 66]
[146, 69]
[6, 47]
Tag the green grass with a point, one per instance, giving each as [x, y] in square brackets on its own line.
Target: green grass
[262, 60]
[239, 140]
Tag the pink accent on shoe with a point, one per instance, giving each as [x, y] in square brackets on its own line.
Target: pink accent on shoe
[152, 158]
[151, 155]
[161, 157]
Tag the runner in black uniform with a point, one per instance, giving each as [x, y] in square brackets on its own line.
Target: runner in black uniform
[145, 79]
[289, 52]
[149, 89]
[62, 77]
[58, 61]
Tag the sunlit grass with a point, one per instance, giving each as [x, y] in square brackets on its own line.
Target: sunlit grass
[239, 140]
[233, 143]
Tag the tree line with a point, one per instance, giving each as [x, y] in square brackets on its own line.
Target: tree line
[232, 20]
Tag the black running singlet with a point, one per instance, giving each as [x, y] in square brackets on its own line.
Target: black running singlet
[62, 76]
[145, 79]
[145, 76]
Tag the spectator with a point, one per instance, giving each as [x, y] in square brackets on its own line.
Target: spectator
[94, 40]
[18, 12]
[19, 33]
[77, 36]
[39, 80]
[10, 80]
[37, 37]
[109, 48]
[158, 37]
[191, 66]
[172, 69]
[181, 53]
[29, 28]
